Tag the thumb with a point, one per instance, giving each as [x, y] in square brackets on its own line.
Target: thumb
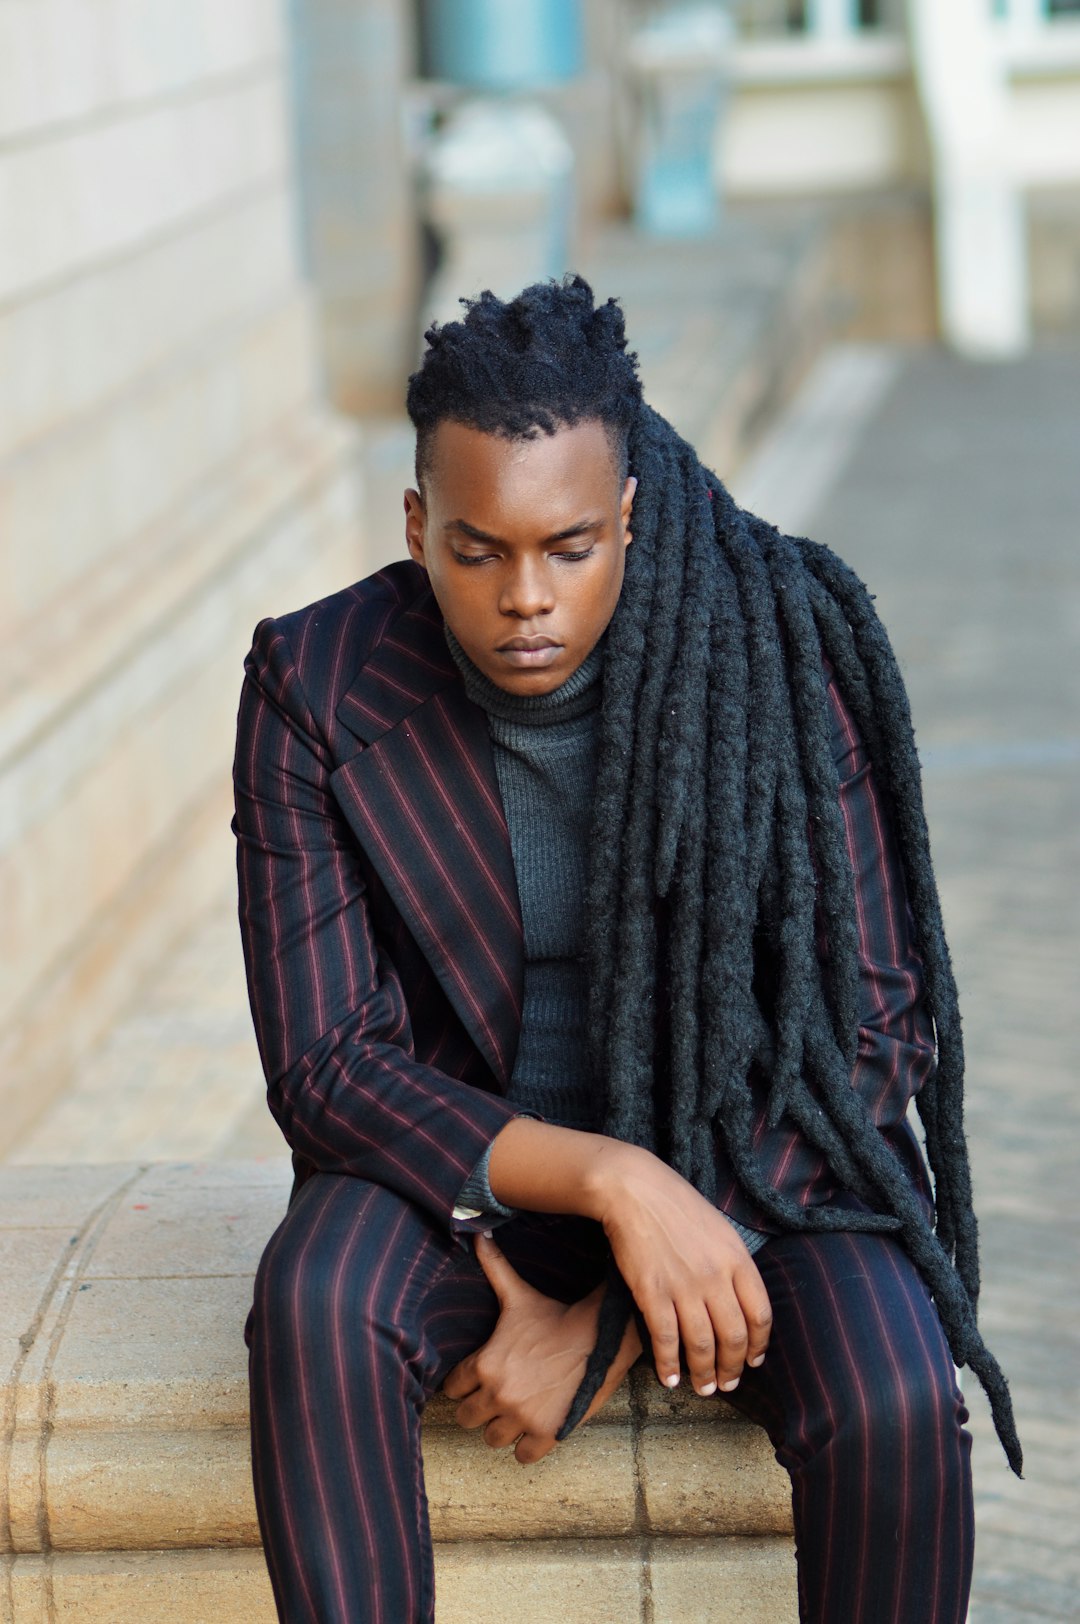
[503, 1278]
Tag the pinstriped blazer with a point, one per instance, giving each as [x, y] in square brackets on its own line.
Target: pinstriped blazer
[380, 920]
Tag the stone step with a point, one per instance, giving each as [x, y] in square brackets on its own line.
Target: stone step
[123, 1297]
[665, 1581]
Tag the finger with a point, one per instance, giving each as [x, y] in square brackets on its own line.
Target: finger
[757, 1312]
[501, 1431]
[503, 1278]
[532, 1447]
[729, 1326]
[663, 1327]
[462, 1380]
[700, 1349]
[475, 1411]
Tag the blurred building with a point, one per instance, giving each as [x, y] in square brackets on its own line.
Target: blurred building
[211, 231]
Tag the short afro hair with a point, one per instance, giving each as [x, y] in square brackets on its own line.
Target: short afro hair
[545, 360]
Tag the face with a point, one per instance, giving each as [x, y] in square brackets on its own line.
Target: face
[524, 543]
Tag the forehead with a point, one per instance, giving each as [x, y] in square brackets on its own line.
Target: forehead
[471, 467]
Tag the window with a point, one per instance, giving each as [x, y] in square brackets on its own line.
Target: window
[834, 18]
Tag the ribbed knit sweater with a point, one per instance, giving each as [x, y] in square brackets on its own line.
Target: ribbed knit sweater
[544, 749]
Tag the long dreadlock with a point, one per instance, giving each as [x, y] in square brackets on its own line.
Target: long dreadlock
[714, 760]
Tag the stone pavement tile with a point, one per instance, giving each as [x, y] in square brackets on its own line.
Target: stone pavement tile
[711, 1478]
[157, 1351]
[31, 1264]
[218, 1587]
[130, 1490]
[538, 1581]
[272, 1174]
[584, 1487]
[160, 1232]
[724, 1581]
[56, 1196]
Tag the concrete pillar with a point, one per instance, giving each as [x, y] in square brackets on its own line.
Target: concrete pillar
[979, 217]
[350, 61]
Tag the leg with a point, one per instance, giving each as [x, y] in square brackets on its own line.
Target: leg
[340, 1369]
[361, 1307]
[859, 1397]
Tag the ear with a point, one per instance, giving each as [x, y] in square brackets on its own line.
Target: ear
[415, 526]
[626, 508]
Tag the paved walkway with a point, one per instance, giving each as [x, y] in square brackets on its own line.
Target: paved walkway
[959, 503]
[955, 490]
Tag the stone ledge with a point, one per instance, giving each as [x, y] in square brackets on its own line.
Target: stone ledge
[125, 1437]
[727, 1581]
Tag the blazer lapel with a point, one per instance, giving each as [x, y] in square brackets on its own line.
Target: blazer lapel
[423, 799]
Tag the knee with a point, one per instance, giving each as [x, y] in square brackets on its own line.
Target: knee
[908, 1423]
[316, 1286]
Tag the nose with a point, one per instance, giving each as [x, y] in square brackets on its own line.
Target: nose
[527, 590]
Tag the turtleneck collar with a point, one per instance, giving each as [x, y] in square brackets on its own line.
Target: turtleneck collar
[576, 696]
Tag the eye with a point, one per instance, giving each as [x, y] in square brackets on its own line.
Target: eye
[473, 558]
[575, 558]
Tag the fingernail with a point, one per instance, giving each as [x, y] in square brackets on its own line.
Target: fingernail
[671, 1381]
[487, 1234]
[729, 1387]
[758, 1359]
[708, 1390]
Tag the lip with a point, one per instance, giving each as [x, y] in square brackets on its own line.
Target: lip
[529, 653]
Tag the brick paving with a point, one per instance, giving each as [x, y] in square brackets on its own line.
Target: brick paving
[960, 506]
[957, 499]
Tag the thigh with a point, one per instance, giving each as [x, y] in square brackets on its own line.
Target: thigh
[856, 1341]
[353, 1264]
[858, 1393]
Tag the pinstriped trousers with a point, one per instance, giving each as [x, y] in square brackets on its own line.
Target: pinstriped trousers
[362, 1306]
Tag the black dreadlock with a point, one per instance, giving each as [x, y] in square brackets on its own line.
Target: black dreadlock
[714, 760]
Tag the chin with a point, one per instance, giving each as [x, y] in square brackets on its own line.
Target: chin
[541, 681]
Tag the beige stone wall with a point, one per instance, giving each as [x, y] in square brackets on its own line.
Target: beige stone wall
[167, 476]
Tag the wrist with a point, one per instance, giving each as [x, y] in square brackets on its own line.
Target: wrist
[612, 1173]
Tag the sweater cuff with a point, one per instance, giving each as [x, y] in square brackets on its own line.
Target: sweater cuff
[476, 1199]
[752, 1239]
[477, 1206]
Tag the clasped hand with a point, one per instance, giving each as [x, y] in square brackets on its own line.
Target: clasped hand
[698, 1289]
[520, 1384]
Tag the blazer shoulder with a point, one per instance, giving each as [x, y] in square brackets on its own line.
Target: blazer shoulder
[328, 641]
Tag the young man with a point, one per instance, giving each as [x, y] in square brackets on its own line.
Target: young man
[585, 891]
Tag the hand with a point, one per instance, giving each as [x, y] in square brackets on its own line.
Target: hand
[521, 1383]
[689, 1272]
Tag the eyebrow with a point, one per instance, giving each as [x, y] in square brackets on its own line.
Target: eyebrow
[582, 528]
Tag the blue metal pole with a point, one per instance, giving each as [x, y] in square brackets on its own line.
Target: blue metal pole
[503, 44]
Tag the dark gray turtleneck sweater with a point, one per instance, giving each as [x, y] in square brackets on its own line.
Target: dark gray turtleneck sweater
[544, 748]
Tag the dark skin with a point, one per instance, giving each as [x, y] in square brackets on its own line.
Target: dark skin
[524, 543]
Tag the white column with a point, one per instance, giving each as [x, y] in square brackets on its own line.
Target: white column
[832, 19]
[980, 231]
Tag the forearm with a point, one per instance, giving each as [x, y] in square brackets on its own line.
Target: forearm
[544, 1168]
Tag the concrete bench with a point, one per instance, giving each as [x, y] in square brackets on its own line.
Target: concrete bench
[123, 1292]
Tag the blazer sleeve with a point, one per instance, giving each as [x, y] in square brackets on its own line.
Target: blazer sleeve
[896, 1050]
[330, 1014]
